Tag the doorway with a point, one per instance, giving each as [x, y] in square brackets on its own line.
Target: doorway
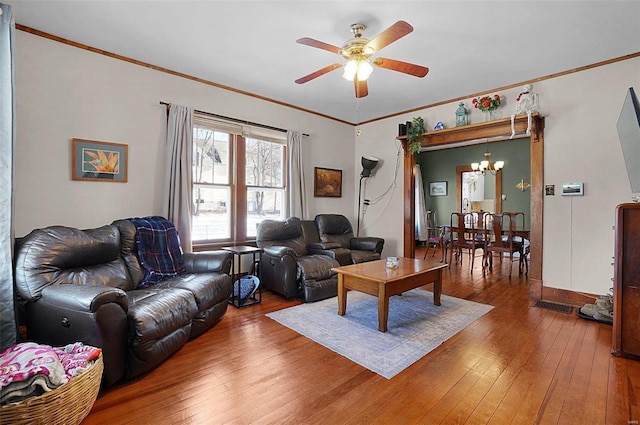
[484, 191]
[478, 191]
[497, 130]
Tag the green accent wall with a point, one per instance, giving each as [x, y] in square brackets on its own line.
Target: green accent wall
[441, 165]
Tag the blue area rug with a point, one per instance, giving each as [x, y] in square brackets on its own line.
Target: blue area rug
[415, 327]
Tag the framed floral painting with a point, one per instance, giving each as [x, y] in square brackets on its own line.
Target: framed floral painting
[98, 161]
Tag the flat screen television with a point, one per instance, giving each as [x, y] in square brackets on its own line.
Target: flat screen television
[628, 127]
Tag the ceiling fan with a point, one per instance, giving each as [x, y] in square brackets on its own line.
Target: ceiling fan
[358, 51]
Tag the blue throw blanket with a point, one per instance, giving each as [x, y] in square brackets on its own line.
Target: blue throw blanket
[159, 250]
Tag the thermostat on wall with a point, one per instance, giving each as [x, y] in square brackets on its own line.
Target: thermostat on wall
[572, 189]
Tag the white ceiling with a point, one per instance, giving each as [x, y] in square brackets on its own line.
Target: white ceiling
[469, 46]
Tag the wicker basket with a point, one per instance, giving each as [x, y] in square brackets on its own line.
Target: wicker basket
[68, 404]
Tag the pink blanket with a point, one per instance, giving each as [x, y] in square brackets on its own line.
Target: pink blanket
[28, 369]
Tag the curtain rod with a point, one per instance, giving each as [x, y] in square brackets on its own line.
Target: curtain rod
[255, 124]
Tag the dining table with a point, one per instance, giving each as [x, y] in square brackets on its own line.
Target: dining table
[446, 230]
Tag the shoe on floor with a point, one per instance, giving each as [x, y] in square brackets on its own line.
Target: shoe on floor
[605, 302]
[603, 317]
[588, 309]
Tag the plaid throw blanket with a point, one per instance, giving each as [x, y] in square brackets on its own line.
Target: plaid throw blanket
[159, 250]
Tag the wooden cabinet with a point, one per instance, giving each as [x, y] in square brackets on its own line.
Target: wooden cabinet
[626, 278]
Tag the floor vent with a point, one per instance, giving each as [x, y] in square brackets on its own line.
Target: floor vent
[561, 308]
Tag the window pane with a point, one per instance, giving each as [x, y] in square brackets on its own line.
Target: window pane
[263, 204]
[210, 156]
[264, 163]
[211, 213]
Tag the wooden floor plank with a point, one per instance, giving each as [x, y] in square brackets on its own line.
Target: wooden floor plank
[516, 364]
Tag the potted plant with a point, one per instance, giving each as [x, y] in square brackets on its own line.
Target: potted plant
[414, 134]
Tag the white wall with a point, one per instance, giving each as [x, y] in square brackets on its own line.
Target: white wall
[65, 92]
[580, 144]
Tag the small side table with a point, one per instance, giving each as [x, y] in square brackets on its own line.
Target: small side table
[238, 252]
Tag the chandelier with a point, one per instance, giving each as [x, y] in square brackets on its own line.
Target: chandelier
[486, 165]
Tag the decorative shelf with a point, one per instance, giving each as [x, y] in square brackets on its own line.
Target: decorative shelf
[500, 128]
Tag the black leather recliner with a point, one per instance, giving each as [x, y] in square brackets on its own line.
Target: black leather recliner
[287, 267]
[335, 231]
[81, 286]
[316, 246]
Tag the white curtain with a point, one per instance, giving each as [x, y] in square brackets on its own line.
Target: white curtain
[421, 209]
[178, 178]
[297, 205]
[8, 325]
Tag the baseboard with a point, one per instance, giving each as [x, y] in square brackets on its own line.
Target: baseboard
[538, 291]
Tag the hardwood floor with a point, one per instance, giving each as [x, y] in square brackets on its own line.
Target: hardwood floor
[515, 365]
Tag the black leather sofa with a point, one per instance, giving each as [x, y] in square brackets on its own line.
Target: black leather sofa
[81, 285]
[296, 262]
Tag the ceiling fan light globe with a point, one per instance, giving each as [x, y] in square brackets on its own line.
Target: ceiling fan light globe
[364, 70]
[350, 70]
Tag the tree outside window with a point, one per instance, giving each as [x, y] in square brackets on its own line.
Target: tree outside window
[264, 174]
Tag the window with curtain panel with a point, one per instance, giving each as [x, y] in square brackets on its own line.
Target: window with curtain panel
[239, 179]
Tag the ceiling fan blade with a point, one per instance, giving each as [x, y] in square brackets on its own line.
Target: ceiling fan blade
[318, 73]
[319, 44]
[391, 34]
[361, 87]
[404, 67]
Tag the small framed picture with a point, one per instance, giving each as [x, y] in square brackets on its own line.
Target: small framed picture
[327, 183]
[550, 190]
[572, 189]
[98, 161]
[438, 189]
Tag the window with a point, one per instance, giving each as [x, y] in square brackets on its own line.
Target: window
[238, 181]
[211, 185]
[264, 177]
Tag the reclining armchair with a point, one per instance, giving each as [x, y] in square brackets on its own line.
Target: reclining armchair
[336, 233]
[287, 267]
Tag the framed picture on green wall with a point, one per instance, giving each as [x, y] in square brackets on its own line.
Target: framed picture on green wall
[438, 189]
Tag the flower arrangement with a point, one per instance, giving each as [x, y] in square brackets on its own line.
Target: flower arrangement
[487, 103]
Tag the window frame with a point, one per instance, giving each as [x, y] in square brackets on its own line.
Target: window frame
[247, 187]
[237, 179]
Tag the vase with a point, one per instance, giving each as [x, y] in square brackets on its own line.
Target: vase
[492, 115]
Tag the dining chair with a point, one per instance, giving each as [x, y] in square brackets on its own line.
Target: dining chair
[436, 237]
[519, 222]
[465, 235]
[517, 218]
[479, 220]
[501, 239]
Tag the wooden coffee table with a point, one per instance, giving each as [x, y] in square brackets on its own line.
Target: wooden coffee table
[374, 278]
